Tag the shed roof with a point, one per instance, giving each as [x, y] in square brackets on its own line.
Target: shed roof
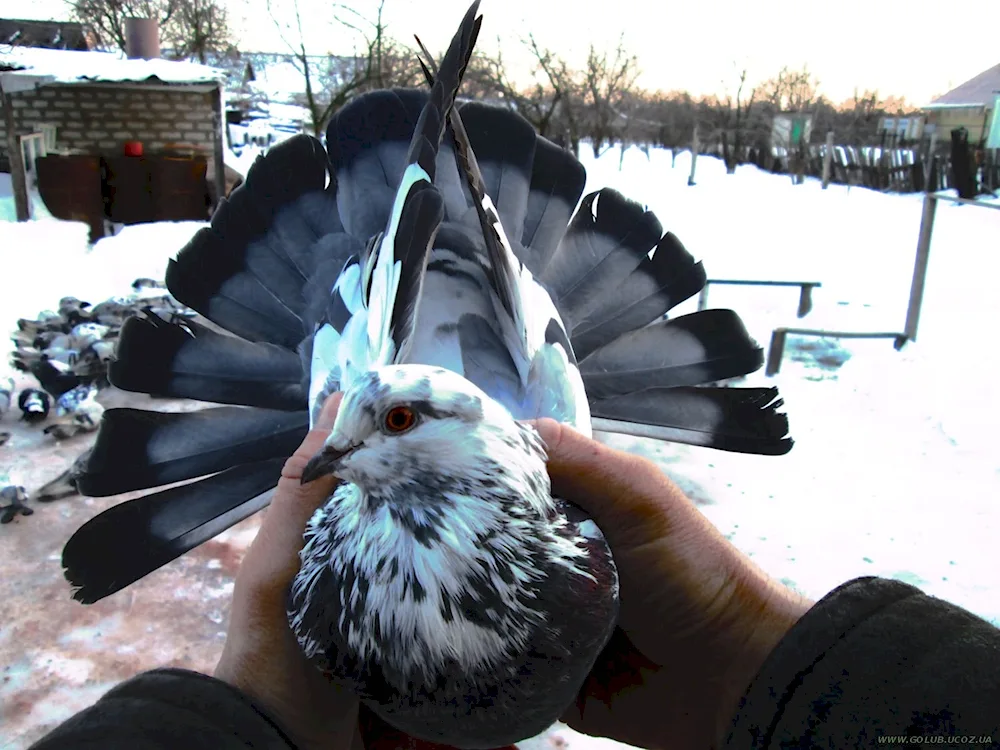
[26, 68]
[980, 91]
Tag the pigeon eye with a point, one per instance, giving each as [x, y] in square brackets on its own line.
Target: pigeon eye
[399, 419]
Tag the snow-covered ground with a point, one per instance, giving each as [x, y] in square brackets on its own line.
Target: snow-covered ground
[895, 471]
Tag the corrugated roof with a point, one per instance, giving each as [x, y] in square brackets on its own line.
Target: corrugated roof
[25, 68]
[976, 92]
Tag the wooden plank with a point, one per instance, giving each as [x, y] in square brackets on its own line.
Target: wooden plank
[754, 282]
[779, 337]
[827, 159]
[694, 155]
[966, 201]
[822, 333]
[18, 178]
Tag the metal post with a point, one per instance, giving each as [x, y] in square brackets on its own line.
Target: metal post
[827, 161]
[694, 155]
[805, 300]
[920, 267]
[776, 351]
[703, 296]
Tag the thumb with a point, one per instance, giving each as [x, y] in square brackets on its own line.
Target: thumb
[273, 559]
[629, 498]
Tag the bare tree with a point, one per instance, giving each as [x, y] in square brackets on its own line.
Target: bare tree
[331, 81]
[791, 90]
[608, 85]
[190, 28]
[107, 17]
[197, 28]
[738, 111]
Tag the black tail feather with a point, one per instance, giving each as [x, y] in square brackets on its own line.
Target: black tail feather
[659, 284]
[743, 420]
[137, 449]
[132, 539]
[504, 146]
[190, 361]
[702, 347]
[246, 271]
[557, 182]
[601, 248]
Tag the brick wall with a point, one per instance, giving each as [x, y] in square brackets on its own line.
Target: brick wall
[98, 119]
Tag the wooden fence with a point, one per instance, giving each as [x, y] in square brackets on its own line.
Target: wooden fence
[895, 169]
[900, 170]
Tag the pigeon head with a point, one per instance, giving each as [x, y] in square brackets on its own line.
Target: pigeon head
[400, 422]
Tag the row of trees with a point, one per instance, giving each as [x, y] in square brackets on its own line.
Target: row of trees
[601, 101]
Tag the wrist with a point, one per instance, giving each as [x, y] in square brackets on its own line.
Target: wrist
[767, 610]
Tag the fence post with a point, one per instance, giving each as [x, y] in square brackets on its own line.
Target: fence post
[920, 266]
[694, 155]
[18, 178]
[775, 352]
[828, 159]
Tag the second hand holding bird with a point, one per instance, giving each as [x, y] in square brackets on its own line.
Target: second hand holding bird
[698, 618]
[261, 656]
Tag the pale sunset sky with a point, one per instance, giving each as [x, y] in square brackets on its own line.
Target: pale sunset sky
[911, 48]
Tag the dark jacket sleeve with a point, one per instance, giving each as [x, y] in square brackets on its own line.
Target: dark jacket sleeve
[168, 709]
[876, 659]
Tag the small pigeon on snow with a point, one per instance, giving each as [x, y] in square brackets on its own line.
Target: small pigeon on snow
[34, 405]
[16, 498]
[432, 263]
[6, 395]
[64, 485]
[83, 410]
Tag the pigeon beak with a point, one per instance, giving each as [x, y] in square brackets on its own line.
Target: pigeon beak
[327, 461]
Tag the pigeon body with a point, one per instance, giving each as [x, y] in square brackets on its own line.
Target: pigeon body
[16, 498]
[434, 262]
[6, 395]
[34, 405]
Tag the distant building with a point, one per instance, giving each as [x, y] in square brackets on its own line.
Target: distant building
[972, 106]
[66, 35]
[83, 114]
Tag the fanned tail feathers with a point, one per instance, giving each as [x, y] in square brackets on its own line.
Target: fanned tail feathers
[314, 268]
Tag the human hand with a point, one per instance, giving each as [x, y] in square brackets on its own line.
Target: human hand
[261, 656]
[697, 618]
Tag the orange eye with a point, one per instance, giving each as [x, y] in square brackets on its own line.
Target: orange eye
[400, 419]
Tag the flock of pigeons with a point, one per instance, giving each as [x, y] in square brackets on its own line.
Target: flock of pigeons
[68, 352]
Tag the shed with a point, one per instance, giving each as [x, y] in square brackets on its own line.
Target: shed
[972, 106]
[74, 111]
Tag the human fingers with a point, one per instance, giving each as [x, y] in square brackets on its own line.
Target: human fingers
[273, 559]
[633, 502]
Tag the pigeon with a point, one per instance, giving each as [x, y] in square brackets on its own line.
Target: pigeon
[34, 405]
[79, 413]
[15, 497]
[63, 485]
[73, 347]
[435, 262]
[6, 394]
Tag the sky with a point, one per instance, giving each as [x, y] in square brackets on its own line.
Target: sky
[898, 47]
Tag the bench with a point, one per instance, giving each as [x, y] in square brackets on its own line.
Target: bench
[777, 348]
[805, 291]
